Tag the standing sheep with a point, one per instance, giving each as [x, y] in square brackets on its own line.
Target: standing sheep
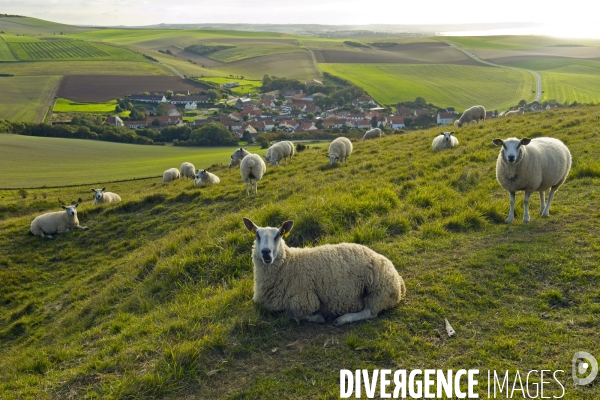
[101, 197]
[339, 150]
[203, 177]
[170, 175]
[532, 165]
[279, 151]
[347, 280]
[290, 147]
[372, 134]
[188, 170]
[444, 140]
[252, 169]
[56, 222]
[237, 157]
[520, 110]
[475, 113]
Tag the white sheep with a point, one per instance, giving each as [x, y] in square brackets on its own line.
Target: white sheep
[346, 280]
[372, 134]
[339, 150]
[46, 225]
[102, 197]
[188, 170]
[252, 169]
[279, 151]
[532, 165]
[237, 156]
[203, 177]
[170, 175]
[520, 110]
[475, 113]
[444, 140]
[290, 147]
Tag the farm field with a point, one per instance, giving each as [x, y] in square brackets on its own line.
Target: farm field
[525, 42]
[246, 86]
[118, 161]
[26, 99]
[5, 53]
[250, 50]
[40, 68]
[442, 85]
[64, 105]
[33, 26]
[154, 300]
[99, 88]
[183, 66]
[300, 66]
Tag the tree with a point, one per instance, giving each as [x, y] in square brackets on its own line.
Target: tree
[310, 115]
[169, 94]
[522, 103]
[263, 141]
[374, 121]
[161, 109]
[156, 122]
[419, 101]
[245, 117]
[247, 137]
[213, 95]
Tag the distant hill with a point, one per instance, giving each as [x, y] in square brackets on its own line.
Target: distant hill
[30, 26]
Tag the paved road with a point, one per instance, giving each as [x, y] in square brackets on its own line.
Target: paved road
[538, 77]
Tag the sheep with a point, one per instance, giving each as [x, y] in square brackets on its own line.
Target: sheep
[170, 175]
[372, 134]
[237, 156]
[279, 151]
[56, 222]
[203, 177]
[346, 280]
[339, 150]
[444, 140]
[252, 169]
[187, 170]
[520, 110]
[475, 113]
[290, 147]
[101, 197]
[532, 165]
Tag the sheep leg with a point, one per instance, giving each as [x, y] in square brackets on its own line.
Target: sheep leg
[255, 186]
[316, 317]
[542, 201]
[353, 317]
[511, 213]
[526, 206]
[247, 188]
[550, 197]
[81, 227]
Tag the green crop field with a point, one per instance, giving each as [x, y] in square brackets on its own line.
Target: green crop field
[442, 85]
[82, 68]
[242, 52]
[246, 86]
[69, 50]
[64, 105]
[300, 66]
[5, 53]
[154, 300]
[26, 99]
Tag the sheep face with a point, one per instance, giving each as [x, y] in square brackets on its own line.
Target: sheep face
[511, 148]
[98, 193]
[447, 135]
[200, 174]
[71, 210]
[333, 158]
[269, 240]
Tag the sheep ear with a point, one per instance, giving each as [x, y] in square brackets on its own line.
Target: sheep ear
[76, 204]
[93, 190]
[104, 188]
[286, 228]
[452, 133]
[497, 142]
[64, 207]
[250, 225]
[525, 141]
[442, 133]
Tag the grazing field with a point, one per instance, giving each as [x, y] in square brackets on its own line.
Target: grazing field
[64, 105]
[442, 85]
[154, 300]
[102, 88]
[44, 50]
[83, 68]
[292, 65]
[78, 161]
[5, 53]
[27, 99]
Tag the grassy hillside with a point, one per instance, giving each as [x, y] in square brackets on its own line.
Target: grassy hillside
[28, 98]
[513, 42]
[33, 26]
[443, 85]
[155, 299]
[39, 68]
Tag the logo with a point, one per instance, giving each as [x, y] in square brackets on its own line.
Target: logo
[584, 363]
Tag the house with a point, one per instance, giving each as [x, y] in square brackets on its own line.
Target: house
[334, 122]
[236, 116]
[269, 123]
[313, 82]
[306, 127]
[172, 110]
[203, 99]
[363, 100]
[363, 123]
[148, 98]
[451, 110]
[421, 111]
[396, 122]
[135, 124]
[166, 120]
[230, 123]
[403, 112]
[114, 120]
[243, 102]
[289, 123]
[291, 93]
[249, 128]
[200, 122]
[490, 114]
[267, 104]
[444, 118]
[191, 105]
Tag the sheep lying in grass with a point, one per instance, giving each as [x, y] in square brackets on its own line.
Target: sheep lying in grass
[279, 151]
[347, 280]
[101, 197]
[203, 177]
[46, 225]
[339, 150]
[372, 134]
[187, 170]
[237, 157]
[444, 140]
[532, 165]
[475, 113]
[252, 169]
[520, 110]
[170, 175]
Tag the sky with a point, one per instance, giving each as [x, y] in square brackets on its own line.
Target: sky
[570, 19]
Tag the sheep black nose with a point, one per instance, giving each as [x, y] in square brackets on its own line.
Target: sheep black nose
[511, 158]
[266, 252]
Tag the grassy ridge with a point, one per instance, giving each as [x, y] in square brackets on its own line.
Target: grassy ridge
[443, 85]
[154, 300]
[26, 99]
[242, 52]
[40, 68]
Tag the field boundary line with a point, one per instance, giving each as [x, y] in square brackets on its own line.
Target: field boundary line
[84, 184]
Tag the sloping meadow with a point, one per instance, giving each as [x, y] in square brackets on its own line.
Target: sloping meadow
[155, 299]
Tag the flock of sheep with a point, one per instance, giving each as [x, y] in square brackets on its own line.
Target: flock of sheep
[348, 281]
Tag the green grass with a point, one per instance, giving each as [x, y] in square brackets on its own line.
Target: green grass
[513, 42]
[64, 105]
[26, 98]
[5, 53]
[442, 85]
[242, 52]
[246, 86]
[154, 300]
[34, 26]
[300, 66]
[44, 50]
[39, 68]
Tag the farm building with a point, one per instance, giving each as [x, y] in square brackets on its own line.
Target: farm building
[114, 120]
[186, 99]
[135, 124]
[444, 118]
[191, 105]
[243, 102]
[148, 98]
[396, 122]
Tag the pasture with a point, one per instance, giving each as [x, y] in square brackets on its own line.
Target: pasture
[154, 300]
[76, 161]
[27, 98]
[442, 85]
[64, 105]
